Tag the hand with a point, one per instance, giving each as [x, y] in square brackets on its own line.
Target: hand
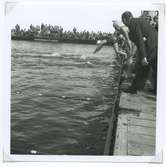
[123, 54]
[144, 61]
[100, 44]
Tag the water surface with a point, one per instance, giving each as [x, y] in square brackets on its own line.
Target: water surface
[60, 97]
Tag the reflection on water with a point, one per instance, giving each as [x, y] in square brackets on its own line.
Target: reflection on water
[60, 96]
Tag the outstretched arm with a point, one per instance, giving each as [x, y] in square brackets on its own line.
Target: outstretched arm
[100, 45]
[125, 33]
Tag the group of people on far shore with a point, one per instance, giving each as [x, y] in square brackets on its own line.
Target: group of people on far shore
[51, 32]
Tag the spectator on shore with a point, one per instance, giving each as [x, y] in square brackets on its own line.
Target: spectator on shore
[55, 32]
[145, 38]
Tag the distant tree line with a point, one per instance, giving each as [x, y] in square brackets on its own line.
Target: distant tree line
[50, 32]
[55, 32]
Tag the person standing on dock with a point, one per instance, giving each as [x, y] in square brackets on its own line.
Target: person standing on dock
[145, 38]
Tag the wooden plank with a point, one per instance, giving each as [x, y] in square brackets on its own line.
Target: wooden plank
[141, 122]
[145, 140]
[140, 111]
[129, 111]
[148, 113]
[120, 147]
[149, 109]
[140, 149]
[144, 116]
[127, 99]
[142, 130]
[148, 96]
[137, 102]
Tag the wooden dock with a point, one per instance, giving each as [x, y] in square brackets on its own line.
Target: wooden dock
[136, 125]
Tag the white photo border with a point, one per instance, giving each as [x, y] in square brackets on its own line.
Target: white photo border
[6, 105]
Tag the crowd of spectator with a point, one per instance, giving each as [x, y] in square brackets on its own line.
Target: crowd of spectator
[57, 33]
[51, 32]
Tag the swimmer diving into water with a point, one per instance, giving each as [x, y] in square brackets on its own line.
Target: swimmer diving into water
[113, 42]
[112, 39]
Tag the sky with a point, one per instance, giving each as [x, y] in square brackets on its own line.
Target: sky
[69, 14]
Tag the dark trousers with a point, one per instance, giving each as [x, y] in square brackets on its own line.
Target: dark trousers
[141, 76]
[153, 65]
[143, 71]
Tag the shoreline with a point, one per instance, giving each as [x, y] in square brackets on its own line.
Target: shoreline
[74, 41]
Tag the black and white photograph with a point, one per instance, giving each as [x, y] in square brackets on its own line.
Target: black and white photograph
[83, 79]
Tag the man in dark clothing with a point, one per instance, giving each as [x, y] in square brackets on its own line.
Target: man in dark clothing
[145, 38]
